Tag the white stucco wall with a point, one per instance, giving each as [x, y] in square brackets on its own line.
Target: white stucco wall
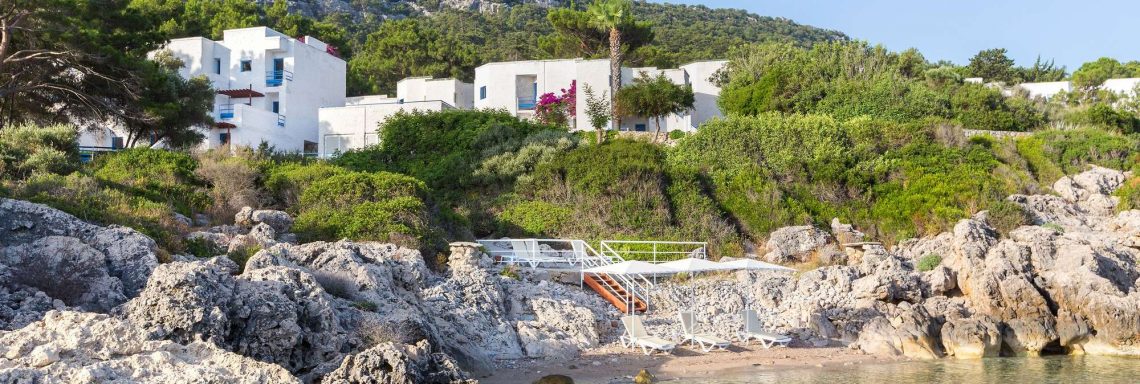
[555, 75]
[1125, 87]
[355, 126]
[1046, 89]
[451, 91]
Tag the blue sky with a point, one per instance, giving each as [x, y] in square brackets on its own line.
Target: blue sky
[1070, 32]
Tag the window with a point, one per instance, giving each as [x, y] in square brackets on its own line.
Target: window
[276, 107]
[224, 138]
[217, 66]
[639, 127]
[246, 65]
[116, 143]
[482, 92]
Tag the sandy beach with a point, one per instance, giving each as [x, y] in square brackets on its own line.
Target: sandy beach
[614, 364]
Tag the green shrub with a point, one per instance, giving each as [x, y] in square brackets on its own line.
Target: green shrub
[286, 182]
[242, 255]
[509, 163]
[26, 149]
[1052, 154]
[1055, 227]
[510, 271]
[201, 247]
[156, 175]
[1006, 216]
[441, 148]
[929, 262]
[1104, 115]
[1129, 195]
[366, 207]
[535, 218]
[85, 198]
[365, 306]
[677, 134]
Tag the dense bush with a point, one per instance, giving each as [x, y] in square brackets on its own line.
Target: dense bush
[850, 79]
[1005, 216]
[620, 189]
[84, 197]
[1105, 116]
[286, 182]
[1051, 154]
[156, 175]
[231, 181]
[27, 148]
[378, 206]
[441, 148]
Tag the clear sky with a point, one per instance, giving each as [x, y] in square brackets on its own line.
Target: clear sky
[1070, 32]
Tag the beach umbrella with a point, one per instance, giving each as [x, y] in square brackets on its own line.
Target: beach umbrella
[693, 265]
[628, 268]
[755, 265]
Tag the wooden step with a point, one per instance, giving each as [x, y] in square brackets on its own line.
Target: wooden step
[613, 292]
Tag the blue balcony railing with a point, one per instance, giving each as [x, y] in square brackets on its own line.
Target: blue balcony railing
[277, 78]
[280, 120]
[527, 103]
[226, 112]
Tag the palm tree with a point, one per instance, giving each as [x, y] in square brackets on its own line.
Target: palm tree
[611, 15]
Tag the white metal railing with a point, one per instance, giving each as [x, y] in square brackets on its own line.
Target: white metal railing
[655, 251]
[535, 252]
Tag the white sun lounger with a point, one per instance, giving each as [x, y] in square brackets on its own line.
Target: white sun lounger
[707, 341]
[752, 330]
[635, 336]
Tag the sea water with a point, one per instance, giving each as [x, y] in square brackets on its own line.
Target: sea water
[1052, 369]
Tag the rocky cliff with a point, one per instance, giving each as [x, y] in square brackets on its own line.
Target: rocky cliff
[356, 312]
[1069, 284]
[80, 302]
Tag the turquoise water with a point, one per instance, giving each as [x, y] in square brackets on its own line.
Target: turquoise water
[1054, 369]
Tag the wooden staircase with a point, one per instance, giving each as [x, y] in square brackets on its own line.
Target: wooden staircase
[613, 292]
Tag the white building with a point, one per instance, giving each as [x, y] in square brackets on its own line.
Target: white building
[515, 87]
[270, 87]
[355, 124]
[1045, 90]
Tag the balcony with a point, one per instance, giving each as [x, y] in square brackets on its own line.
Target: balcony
[527, 103]
[280, 120]
[277, 78]
[226, 112]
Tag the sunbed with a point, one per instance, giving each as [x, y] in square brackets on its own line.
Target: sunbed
[752, 330]
[708, 342]
[636, 336]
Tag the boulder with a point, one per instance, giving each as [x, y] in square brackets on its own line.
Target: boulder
[263, 234]
[797, 244]
[1095, 181]
[280, 221]
[905, 330]
[71, 347]
[971, 338]
[390, 363]
[276, 314]
[244, 217]
[82, 265]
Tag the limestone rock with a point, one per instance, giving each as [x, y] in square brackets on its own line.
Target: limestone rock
[1095, 181]
[908, 332]
[796, 244]
[280, 221]
[87, 347]
[263, 234]
[87, 266]
[389, 363]
[244, 217]
[971, 338]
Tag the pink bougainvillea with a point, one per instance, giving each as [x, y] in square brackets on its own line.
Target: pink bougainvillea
[555, 110]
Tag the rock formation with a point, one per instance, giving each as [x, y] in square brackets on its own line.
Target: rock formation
[53, 260]
[78, 347]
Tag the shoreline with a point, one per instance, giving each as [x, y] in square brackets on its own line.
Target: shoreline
[612, 363]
